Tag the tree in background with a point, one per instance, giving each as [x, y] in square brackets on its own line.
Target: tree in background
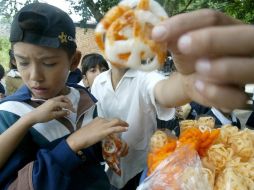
[92, 10]
[4, 49]
[241, 9]
[9, 8]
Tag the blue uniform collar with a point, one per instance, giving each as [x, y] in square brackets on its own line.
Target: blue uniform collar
[24, 94]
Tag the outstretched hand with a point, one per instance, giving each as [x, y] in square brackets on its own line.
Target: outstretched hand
[212, 53]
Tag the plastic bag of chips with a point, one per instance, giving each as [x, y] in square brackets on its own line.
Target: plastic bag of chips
[181, 170]
[112, 149]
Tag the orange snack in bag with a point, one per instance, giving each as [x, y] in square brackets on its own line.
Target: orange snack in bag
[112, 149]
[161, 146]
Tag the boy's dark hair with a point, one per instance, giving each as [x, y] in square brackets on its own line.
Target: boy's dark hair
[1, 72]
[91, 60]
[44, 25]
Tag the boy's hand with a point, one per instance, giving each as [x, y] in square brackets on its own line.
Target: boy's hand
[209, 50]
[199, 22]
[94, 132]
[51, 109]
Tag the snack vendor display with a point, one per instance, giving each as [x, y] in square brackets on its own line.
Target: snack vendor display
[225, 159]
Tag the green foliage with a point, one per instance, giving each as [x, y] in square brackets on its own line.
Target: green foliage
[9, 8]
[4, 49]
[241, 9]
[90, 9]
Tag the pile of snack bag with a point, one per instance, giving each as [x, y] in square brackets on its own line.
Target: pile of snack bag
[202, 158]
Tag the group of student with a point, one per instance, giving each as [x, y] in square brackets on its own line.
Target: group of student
[50, 135]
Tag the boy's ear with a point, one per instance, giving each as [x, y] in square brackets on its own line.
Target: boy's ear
[75, 60]
[14, 62]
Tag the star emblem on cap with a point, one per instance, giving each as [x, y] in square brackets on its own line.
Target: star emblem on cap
[63, 37]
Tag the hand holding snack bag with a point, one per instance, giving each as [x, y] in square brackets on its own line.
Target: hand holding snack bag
[112, 149]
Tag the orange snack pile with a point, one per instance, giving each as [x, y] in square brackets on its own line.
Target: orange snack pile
[192, 137]
[124, 35]
[161, 146]
[200, 141]
[179, 171]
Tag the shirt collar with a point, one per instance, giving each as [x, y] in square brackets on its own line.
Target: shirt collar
[224, 120]
[24, 94]
[106, 76]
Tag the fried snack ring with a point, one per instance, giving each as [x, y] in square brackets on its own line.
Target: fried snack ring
[226, 132]
[206, 123]
[230, 179]
[158, 140]
[112, 149]
[242, 145]
[182, 112]
[124, 35]
[219, 155]
[245, 169]
[186, 124]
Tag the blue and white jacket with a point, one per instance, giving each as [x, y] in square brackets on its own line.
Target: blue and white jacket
[43, 160]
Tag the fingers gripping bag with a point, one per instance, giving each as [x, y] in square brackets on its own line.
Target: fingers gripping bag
[181, 170]
[124, 35]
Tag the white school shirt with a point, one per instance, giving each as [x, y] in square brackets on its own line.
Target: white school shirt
[224, 120]
[132, 101]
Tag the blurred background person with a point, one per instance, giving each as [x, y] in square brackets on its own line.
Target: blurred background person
[91, 66]
[12, 80]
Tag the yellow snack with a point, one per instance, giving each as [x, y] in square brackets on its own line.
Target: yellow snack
[242, 145]
[243, 168]
[226, 131]
[219, 155]
[186, 124]
[124, 35]
[230, 179]
[182, 112]
[158, 140]
[206, 123]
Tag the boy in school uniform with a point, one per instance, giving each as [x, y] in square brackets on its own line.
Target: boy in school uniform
[48, 138]
[132, 99]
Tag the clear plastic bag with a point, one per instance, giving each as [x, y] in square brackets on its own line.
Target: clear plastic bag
[112, 149]
[182, 170]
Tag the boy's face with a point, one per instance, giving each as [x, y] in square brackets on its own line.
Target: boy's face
[44, 70]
